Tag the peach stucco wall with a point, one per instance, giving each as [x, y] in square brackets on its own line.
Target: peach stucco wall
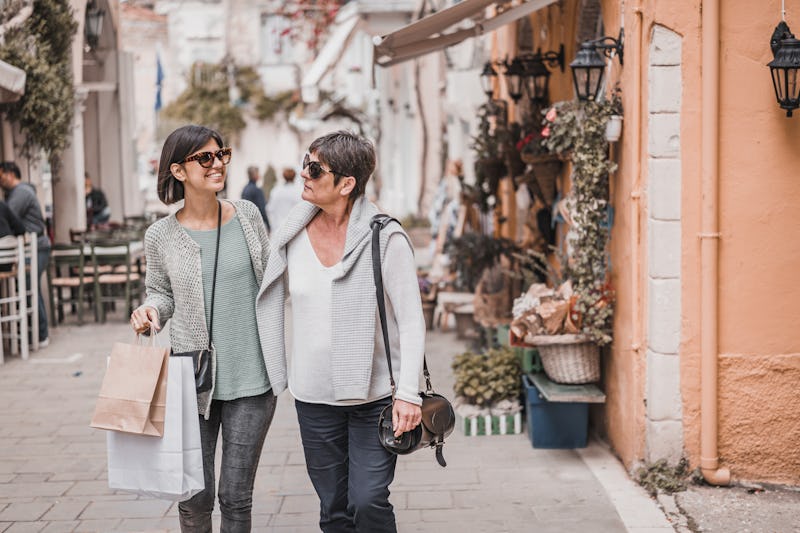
[759, 252]
[759, 363]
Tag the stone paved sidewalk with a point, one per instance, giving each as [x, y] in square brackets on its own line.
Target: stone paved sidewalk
[53, 466]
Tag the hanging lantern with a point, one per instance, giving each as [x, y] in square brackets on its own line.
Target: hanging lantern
[589, 65]
[587, 72]
[93, 24]
[488, 77]
[784, 67]
[514, 74]
[537, 79]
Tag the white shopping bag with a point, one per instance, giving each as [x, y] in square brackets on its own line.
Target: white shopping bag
[170, 467]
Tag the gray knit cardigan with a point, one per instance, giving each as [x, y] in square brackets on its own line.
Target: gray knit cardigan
[354, 305]
[174, 280]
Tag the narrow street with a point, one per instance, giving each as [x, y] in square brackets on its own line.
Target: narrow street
[53, 465]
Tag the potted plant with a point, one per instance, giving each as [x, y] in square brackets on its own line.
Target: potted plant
[487, 388]
[489, 145]
[543, 166]
[576, 130]
[470, 256]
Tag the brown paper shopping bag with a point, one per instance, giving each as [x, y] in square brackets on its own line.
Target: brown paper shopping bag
[133, 395]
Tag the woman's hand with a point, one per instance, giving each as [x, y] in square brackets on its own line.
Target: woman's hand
[143, 318]
[405, 417]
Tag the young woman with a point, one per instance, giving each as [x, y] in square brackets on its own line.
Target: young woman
[338, 372]
[181, 253]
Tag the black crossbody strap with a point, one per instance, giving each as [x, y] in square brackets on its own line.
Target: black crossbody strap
[377, 223]
[214, 279]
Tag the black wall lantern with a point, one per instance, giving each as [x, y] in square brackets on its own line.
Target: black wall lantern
[589, 65]
[93, 24]
[515, 74]
[537, 78]
[786, 51]
[525, 73]
[488, 77]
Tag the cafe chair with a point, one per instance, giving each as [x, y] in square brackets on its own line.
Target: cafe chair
[68, 280]
[13, 301]
[31, 253]
[125, 284]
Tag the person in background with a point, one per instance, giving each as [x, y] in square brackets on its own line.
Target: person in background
[10, 224]
[337, 369]
[283, 198]
[22, 200]
[182, 268]
[97, 209]
[253, 193]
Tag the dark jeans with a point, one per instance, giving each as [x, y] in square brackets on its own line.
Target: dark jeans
[244, 424]
[348, 467]
[43, 259]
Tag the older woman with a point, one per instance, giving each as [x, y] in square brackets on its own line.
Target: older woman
[204, 266]
[337, 370]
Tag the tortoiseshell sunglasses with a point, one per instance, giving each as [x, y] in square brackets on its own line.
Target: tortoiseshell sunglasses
[206, 159]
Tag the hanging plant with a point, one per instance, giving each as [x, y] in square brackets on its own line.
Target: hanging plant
[42, 46]
[490, 144]
[576, 130]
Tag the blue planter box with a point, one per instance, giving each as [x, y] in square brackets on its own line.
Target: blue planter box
[555, 424]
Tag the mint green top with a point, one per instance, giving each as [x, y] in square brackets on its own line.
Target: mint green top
[240, 365]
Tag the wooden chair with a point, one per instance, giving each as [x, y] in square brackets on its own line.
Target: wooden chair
[67, 273]
[31, 253]
[110, 287]
[13, 296]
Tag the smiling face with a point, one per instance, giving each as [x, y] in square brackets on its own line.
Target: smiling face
[198, 180]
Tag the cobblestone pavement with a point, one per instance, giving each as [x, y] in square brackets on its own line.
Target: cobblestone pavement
[53, 466]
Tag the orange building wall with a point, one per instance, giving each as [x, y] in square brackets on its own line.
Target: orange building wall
[759, 282]
[759, 362]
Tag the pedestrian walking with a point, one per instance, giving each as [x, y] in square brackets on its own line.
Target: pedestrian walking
[338, 375]
[252, 193]
[283, 198]
[21, 198]
[206, 258]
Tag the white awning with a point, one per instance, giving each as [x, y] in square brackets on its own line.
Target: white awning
[428, 34]
[12, 83]
[328, 57]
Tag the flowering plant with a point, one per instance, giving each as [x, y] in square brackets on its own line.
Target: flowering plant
[318, 14]
[576, 130]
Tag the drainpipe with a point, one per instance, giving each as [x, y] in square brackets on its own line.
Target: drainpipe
[636, 187]
[709, 249]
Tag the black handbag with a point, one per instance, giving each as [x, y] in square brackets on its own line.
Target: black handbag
[438, 417]
[203, 379]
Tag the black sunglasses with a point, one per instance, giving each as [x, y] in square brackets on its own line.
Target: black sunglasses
[315, 170]
[206, 159]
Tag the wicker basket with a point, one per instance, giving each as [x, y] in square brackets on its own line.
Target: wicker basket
[570, 359]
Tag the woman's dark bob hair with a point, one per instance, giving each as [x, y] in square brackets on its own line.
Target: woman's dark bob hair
[180, 144]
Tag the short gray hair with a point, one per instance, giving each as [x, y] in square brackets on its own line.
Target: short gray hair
[349, 154]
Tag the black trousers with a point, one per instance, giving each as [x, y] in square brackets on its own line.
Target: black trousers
[348, 467]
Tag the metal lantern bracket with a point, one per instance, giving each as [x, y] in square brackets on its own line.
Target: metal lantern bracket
[609, 45]
[552, 59]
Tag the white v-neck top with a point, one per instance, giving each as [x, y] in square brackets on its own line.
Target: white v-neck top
[310, 287]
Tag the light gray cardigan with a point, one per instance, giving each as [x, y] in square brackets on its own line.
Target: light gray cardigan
[174, 281]
[354, 305]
